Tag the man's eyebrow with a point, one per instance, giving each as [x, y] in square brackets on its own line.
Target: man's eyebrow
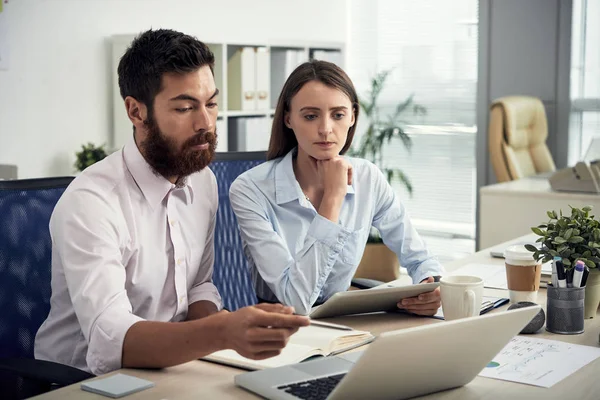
[215, 94]
[192, 98]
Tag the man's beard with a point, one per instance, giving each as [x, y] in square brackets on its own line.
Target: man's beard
[165, 159]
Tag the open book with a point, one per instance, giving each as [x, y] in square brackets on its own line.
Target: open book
[309, 341]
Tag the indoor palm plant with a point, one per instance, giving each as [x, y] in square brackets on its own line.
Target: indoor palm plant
[380, 131]
[88, 155]
[573, 237]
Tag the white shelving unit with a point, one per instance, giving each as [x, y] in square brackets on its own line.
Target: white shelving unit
[237, 116]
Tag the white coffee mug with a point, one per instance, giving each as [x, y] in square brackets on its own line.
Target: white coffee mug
[461, 296]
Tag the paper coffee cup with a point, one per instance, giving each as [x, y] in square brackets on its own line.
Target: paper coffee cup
[523, 274]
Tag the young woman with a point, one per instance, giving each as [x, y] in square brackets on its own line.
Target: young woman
[306, 213]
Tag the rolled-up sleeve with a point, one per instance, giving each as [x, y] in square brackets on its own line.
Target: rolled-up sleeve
[203, 287]
[295, 279]
[398, 233]
[85, 235]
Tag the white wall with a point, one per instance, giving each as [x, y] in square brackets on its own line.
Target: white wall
[56, 94]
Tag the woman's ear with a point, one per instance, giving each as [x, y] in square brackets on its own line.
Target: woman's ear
[286, 119]
[353, 116]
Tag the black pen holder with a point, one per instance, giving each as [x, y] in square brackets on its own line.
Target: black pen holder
[564, 310]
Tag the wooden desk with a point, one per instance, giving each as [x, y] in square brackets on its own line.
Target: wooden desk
[510, 209]
[199, 379]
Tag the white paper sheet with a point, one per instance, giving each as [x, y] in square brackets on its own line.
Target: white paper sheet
[538, 362]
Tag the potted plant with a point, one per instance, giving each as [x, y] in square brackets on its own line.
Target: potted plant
[88, 155]
[378, 261]
[574, 237]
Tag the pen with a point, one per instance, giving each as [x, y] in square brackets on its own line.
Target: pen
[578, 274]
[560, 271]
[330, 325]
[554, 275]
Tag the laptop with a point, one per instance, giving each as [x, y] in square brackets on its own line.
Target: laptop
[399, 364]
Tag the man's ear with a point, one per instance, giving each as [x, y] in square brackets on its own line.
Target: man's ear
[136, 111]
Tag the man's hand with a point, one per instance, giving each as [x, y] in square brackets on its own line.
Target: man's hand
[423, 304]
[261, 331]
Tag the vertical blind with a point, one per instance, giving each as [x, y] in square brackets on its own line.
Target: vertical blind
[431, 48]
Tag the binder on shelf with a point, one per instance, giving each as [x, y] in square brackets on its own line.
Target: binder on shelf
[222, 142]
[332, 56]
[241, 76]
[283, 62]
[249, 133]
[262, 81]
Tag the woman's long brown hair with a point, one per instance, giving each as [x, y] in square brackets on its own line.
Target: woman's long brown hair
[283, 139]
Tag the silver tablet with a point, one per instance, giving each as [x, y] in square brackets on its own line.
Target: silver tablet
[368, 300]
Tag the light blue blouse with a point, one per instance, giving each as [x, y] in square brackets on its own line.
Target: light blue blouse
[298, 257]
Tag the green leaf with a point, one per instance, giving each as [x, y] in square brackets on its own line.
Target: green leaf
[575, 239]
[531, 248]
[587, 208]
[550, 215]
[554, 253]
[589, 263]
[537, 231]
[568, 233]
[559, 240]
[566, 261]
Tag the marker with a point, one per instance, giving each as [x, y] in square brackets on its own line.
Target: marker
[578, 274]
[569, 276]
[584, 278]
[554, 274]
[560, 271]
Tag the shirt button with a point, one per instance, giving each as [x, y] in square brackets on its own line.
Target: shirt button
[179, 261]
[173, 222]
[181, 299]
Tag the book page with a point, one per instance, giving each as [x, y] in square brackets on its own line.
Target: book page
[309, 341]
[291, 354]
[329, 340]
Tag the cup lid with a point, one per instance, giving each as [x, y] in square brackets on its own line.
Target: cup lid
[518, 252]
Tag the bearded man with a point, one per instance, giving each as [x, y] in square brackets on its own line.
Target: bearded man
[132, 236]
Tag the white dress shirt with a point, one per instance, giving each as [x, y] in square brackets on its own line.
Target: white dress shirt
[298, 257]
[127, 246]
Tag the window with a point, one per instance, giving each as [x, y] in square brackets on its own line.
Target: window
[585, 77]
[432, 48]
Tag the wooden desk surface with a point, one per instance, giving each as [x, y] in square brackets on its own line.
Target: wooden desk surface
[200, 379]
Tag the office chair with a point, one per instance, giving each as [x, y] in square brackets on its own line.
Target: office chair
[517, 138]
[25, 272]
[231, 273]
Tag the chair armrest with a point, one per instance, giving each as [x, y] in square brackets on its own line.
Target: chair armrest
[364, 283]
[44, 371]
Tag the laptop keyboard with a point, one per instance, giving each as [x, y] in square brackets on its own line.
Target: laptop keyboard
[315, 389]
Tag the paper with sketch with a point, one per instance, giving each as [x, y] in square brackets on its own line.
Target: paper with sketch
[493, 275]
[538, 362]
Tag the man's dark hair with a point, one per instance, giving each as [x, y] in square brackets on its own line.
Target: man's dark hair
[154, 53]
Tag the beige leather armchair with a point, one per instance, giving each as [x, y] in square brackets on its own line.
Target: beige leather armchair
[517, 138]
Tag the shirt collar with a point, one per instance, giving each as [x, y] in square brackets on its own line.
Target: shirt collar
[287, 187]
[154, 187]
